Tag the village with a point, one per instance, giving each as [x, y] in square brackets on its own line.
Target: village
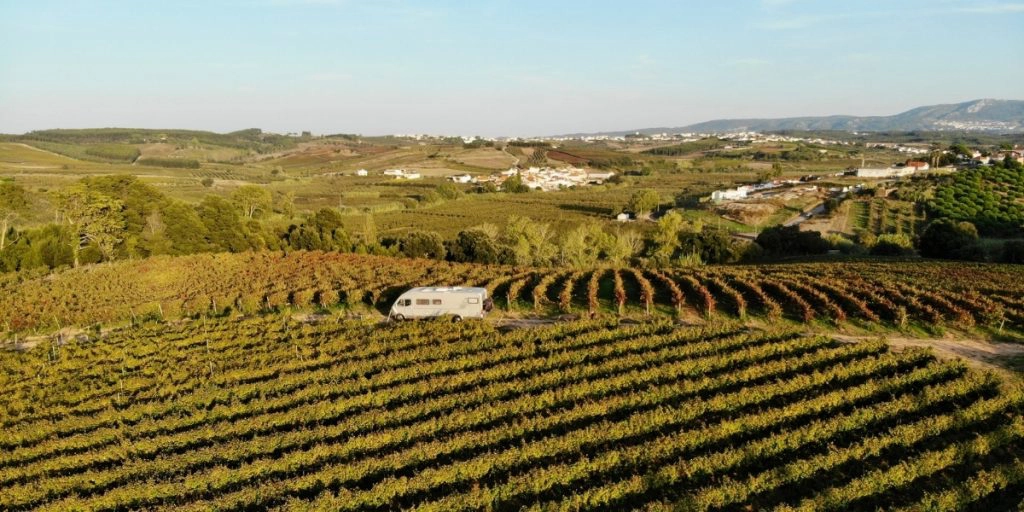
[535, 178]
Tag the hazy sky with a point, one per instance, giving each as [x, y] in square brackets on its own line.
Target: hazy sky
[492, 67]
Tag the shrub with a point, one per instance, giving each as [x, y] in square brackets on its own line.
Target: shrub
[789, 240]
[1013, 252]
[948, 239]
[893, 245]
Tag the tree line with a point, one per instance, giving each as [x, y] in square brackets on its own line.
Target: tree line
[106, 218]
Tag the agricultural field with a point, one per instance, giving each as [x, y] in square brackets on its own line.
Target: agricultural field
[911, 296]
[276, 413]
[319, 173]
[879, 216]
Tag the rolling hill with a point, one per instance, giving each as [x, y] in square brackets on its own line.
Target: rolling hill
[984, 115]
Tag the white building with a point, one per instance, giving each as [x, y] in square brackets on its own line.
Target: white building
[599, 177]
[731, 194]
[402, 174]
[888, 172]
[362, 172]
[462, 178]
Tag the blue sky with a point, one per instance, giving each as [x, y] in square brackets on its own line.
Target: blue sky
[492, 67]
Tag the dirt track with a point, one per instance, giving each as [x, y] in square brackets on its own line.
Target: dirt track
[989, 355]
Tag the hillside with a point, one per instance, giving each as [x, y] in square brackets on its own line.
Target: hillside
[985, 115]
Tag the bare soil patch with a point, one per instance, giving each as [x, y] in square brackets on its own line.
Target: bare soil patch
[989, 355]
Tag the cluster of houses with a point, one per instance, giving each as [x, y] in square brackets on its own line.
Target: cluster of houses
[398, 174]
[978, 159]
[743, 191]
[537, 178]
[542, 178]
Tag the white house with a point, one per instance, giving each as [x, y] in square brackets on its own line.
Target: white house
[362, 172]
[599, 177]
[622, 217]
[462, 178]
[888, 172]
[394, 172]
[731, 194]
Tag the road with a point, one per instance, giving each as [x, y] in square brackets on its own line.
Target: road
[817, 210]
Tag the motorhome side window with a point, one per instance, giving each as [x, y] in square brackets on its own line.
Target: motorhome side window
[473, 300]
[406, 302]
[437, 302]
[422, 302]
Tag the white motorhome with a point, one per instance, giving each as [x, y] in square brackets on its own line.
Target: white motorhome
[431, 302]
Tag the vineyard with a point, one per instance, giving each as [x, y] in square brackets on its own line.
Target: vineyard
[881, 216]
[269, 413]
[899, 295]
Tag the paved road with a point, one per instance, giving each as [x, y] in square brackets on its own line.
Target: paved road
[817, 210]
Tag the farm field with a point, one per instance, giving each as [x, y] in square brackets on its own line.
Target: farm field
[273, 413]
[900, 295]
[318, 173]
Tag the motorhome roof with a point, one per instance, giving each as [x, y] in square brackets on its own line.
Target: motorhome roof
[448, 289]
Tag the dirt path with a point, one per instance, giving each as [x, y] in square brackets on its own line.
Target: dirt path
[989, 355]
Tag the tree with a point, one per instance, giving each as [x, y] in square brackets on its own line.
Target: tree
[530, 241]
[184, 229]
[94, 219]
[284, 203]
[223, 226]
[1013, 251]
[252, 200]
[473, 246]
[207, 182]
[948, 239]
[711, 245]
[643, 202]
[893, 244]
[140, 202]
[961, 149]
[791, 241]
[422, 244]
[13, 201]
[665, 239]
[515, 185]
[623, 246]
[327, 224]
[448, 191]
[583, 246]
[370, 231]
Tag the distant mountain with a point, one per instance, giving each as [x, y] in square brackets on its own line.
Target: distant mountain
[986, 115]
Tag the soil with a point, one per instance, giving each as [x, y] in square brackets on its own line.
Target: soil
[1006, 358]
